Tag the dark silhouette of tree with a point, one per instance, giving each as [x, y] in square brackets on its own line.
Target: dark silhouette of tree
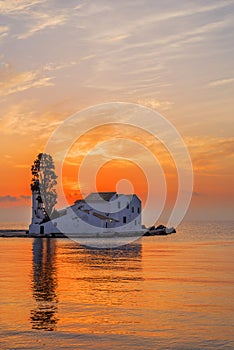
[44, 179]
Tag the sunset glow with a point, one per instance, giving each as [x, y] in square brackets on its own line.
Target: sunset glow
[58, 58]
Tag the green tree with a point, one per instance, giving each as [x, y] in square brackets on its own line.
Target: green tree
[44, 179]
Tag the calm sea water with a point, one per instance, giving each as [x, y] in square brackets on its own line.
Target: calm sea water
[172, 292]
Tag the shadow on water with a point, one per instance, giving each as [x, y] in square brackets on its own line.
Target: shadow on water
[44, 284]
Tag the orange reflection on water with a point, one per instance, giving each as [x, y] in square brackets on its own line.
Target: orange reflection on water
[154, 293]
[191, 287]
[15, 289]
[44, 284]
[96, 282]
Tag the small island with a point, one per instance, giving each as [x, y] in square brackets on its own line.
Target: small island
[99, 214]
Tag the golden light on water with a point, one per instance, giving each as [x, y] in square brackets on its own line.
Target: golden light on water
[157, 290]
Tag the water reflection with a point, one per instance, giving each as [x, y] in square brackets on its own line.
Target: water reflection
[99, 265]
[107, 277]
[44, 284]
[100, 258]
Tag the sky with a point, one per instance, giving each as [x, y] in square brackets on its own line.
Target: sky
[60, 57]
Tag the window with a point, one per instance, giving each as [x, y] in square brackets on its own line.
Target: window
[132, 209]
[138, 210]
[127, 206]
[135, 222]
[124, 219]
[118, 205]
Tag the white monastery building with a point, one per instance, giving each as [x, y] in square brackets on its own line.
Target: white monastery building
[101, 213]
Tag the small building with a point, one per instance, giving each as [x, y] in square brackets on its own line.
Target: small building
[99, 212]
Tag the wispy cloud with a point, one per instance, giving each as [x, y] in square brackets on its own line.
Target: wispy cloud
[220, 82]
[35, 15]
[191, 11]
[210, 154]
[14, 6]
[91, 8]
[115, 38]
[26, 120]
[124, 67]
[178, 38]
[44, 21]
[4, 32]
[156, 104]
[13, 81]
[54, 66]
[118, 141]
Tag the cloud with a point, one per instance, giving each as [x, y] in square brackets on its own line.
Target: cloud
[131, 54]
[191, 11]
[128, 45]
[4, 29]
[26, 118]
[179, 38]
[25, 197]
[14, 6]
[90, 8]
[12, 201]
[211, 154]
[119, 141]
[220, 82]
[12, 81]
[115, 38]
[35, 15]
[44, 21]
[156, 104]
[53, 66]
[4, 32]
[135, 26]
[8, 198]
[16, 122]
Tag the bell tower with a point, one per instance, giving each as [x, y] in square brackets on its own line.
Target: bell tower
[38, 213]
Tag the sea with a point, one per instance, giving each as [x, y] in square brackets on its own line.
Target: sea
[168, 292]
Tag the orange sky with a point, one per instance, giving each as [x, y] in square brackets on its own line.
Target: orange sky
[57, 59]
